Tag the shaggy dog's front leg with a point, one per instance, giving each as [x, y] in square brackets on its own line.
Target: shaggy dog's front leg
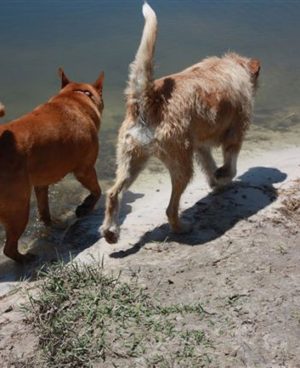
[131, 160]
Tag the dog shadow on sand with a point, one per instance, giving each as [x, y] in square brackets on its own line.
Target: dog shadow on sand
[212, 216]
[218, 212]
[60, 243]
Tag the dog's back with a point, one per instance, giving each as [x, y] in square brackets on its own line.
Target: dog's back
[57, 137]
[204, 100]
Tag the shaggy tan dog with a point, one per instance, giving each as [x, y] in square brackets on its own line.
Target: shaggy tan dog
[177, 117]
[40, 148]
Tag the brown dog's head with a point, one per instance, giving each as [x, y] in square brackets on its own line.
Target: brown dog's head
[92, 91]
[2, 110]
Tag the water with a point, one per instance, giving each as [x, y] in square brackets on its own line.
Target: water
[87, 36]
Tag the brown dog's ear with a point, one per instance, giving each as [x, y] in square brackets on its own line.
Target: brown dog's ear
[99, 83]
[64, 79]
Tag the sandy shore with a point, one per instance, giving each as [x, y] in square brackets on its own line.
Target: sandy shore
[254, 193]
[241, 258]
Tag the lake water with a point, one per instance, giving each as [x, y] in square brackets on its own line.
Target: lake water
[87, 36]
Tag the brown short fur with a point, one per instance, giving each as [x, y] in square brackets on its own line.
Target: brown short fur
[178, 117]
[40, 148]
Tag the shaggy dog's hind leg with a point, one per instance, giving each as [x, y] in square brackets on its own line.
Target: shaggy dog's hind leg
[227, 172]
[181, 171]
[231, 146]
[207, 163]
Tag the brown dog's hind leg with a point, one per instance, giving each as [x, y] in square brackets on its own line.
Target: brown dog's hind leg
[15, 226]
[130, 164]
[41, 194]
[88, 178]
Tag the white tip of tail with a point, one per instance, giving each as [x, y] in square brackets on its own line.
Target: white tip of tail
[2, 110]
[148, 12]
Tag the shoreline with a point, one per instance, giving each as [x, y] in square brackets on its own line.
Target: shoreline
[143, 211]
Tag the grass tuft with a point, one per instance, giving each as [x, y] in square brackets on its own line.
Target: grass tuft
[84, 317]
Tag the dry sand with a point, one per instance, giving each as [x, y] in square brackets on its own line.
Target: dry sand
[241, 261]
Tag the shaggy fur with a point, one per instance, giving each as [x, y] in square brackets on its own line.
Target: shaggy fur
[40, 148]
[179, 116]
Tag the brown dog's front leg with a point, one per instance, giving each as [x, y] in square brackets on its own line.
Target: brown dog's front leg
[14, 229]
[11, 251]
[88, 179]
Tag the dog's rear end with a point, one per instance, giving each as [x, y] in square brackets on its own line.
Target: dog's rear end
[132, 153]
[177, 117]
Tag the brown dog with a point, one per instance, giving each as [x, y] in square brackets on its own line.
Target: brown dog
[40, 148]
[177, 117]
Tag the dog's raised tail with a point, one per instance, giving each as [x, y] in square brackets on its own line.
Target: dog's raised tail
[2, 110]
[141, 69]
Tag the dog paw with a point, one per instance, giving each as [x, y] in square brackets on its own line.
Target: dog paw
[183, 227]
[223, 178]
[222, 183]
[46, 219]
[24, 258]
[29, 257]
[87, 205]
[212, 182]
[82, 210]
[111, 234]
[221, 172]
